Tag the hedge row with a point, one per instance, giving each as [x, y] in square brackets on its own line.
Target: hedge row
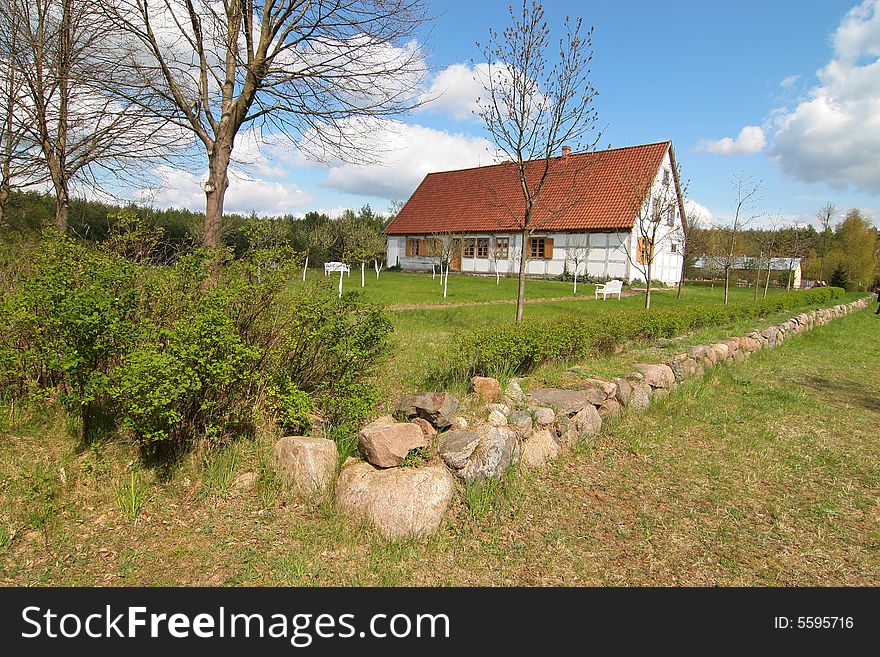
[518, 348]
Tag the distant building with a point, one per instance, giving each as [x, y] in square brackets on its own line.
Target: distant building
[745, 266]
[587, 205]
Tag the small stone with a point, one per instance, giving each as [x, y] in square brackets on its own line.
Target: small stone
[497, 419]
[545, 416]
[486, 388]
[568, 402]
[624, 390]
[244, 483]
[539, 449]
[514, 392]
[588, 421]
[456, 447]
[521, 423]
[610, 409]
[640, 400]
[504, 409]
[460, 423]
[427, 428]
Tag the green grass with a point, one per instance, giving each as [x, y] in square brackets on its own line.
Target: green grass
[422, 333]
[762, 473]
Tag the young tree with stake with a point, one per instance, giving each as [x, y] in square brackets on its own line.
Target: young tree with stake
[532, 108]
[577, 252]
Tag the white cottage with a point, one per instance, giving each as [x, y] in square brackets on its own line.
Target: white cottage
[586, 217]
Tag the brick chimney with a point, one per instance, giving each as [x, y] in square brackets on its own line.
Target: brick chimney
[566, 152]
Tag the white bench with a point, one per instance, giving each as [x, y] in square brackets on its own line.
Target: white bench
[330, 267]
[611, 287]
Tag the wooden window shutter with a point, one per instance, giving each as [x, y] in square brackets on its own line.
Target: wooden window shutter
[641, 251]
[423, 247]
[548, 248]
[407, 248]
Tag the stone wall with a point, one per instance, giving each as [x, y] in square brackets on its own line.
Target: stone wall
[413, 462]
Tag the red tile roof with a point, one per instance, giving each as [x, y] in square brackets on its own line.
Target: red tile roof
[583, 192]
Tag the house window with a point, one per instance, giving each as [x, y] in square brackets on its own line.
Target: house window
[483, 247]
[646, 251]
[673, 248]
[541, 248]
[665, 176]
[670, 216]
[412, 247]
[502, 248]
[470, 246]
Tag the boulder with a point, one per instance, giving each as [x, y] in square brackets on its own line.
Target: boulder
[567, 402]
[498, 448]
[521, 423]
[456, 447]
[514, 392]
[624, 390]
[401, 502]
[657, 376]
[438, 408]
[588, 421]
[486, 388]
[677, 367]
[460, 423]
[697, 352]
[544, 416]
[308, 463]
[640, 400]
[504, 409]
[539, 449]
[386, 445]
[720, 350]
[739, 356]
[610, 409]
[244, 483]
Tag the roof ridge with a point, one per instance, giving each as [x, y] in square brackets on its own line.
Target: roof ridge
[508, 162]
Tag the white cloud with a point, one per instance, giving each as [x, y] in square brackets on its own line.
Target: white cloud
[789, 81]
[404, 155]
[750, 140]
[455, 90]
[183, 189]
[833, 136]
[694, 209]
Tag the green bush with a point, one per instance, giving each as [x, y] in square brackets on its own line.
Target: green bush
[197, 349]
[521, 347]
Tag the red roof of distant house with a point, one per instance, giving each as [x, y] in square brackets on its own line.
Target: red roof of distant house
[583, 192]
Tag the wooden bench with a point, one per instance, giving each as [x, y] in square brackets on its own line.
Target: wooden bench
[611, 287]
[330, 267]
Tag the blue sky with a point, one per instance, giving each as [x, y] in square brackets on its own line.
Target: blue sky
[786, 92]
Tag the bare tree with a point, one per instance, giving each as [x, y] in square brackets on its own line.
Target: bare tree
[747, 193]
[314, 71]
[19, 159]
[534, 108]
[769, 242]
[577, 252]
[68, 57]
[658, 207]
[825, 216]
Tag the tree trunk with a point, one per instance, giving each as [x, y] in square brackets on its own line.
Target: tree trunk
[215, 191]
[648, 288]
[340, 283]
[5, 193]
[445, 280]
[680, 279]
[62, 205]
[433, 271]
[362, 275]
[575, 280]
[726, 285]
[767, 282]
[305, 266]
[521, 287]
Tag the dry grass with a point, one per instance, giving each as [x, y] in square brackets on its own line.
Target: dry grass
[765, 473]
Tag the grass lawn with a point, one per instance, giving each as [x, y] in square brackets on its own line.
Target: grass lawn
[420, 333]
[763, 473]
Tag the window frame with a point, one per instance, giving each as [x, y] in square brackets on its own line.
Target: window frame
[482, 247]
[538, 248]
[469, 247]
[499, 254]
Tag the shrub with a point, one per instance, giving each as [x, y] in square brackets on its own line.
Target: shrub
[521, 347]
[197, 349]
